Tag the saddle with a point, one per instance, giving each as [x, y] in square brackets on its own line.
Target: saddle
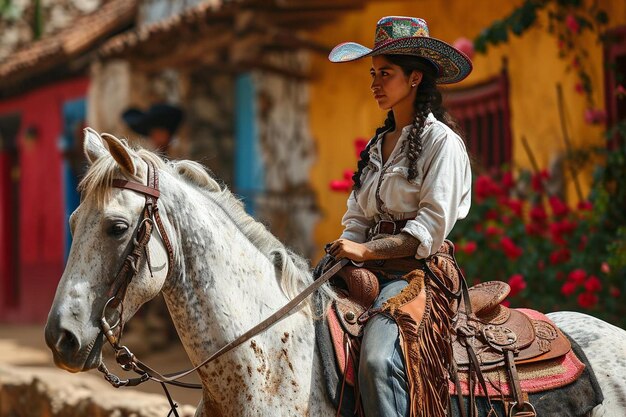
[485, 334]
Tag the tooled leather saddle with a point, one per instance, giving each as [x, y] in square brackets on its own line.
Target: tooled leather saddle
[486, 335]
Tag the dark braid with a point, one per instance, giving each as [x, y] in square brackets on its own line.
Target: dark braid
[390, 123]
[427, 99]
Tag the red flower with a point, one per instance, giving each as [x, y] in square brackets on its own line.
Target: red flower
[347, 174]
[359, 146]
[583, 242]
[576, 63]
[541, 265]
[579, 88]
[492, 230]
[605, 268]
[486, 187]
[517, 284]
[534, 229]
[511, 250]
[568, 289]
[506, 303]
[514, 205]
[491, 214]
[340, 185]
[559, 209]
[560, 256]
[507, 180]
[505, 219]
[593, 284]
[615, 292]
[538, 179]
[538, 213]
[572, 23]
[469, 247]
[585, 206]
[587, 299]
[577, 276]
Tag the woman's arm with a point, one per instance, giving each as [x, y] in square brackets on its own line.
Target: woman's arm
[396, 246]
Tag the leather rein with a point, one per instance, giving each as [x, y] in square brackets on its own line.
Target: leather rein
[135, 251]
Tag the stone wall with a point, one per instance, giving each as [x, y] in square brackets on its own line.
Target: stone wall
[289, 205]
[47, 392]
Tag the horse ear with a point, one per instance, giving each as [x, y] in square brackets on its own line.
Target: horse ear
[120, 153]
[93, 146]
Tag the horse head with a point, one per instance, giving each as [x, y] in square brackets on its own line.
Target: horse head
[104, 228]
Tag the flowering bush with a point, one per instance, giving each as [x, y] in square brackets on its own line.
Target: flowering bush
[554, 257]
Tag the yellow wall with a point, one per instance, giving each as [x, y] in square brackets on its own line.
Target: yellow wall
[342, 108]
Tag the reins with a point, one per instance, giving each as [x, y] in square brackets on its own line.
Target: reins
[135, 251]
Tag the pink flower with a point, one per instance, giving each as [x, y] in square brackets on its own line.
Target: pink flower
[511, 250]
[470, 247]
[620, 91]
[517, 284]
[577, 276]
[465, 45]
[572, 23]
[559, 208]
[593, 284]
[359, 146]
[595, 116]
[587, 300]
[340, 185]
[568, 289]
[605, 268]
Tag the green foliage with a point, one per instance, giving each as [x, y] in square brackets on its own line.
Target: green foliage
[554, 257]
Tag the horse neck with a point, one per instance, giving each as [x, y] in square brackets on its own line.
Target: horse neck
[222, 286]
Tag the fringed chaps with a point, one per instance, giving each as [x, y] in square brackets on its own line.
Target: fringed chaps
[422, 313]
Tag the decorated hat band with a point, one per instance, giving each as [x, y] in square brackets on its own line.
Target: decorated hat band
[399, 35]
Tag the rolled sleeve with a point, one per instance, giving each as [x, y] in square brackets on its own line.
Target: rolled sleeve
[355, 222]
[445, 195]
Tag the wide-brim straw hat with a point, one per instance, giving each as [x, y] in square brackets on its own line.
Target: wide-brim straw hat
[400, 35]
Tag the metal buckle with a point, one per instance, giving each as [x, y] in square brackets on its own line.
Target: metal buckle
[386, 221]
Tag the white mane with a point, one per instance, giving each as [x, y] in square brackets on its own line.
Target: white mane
[292, 271]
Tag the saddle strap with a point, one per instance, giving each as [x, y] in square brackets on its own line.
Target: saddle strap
[520, 406]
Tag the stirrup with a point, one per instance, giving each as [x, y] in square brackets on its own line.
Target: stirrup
[526, 409]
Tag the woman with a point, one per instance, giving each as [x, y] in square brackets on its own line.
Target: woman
[412, 184]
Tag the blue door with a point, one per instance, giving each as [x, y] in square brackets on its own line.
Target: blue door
[74, 162]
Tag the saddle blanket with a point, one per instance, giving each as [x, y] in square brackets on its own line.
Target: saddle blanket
[534, 377]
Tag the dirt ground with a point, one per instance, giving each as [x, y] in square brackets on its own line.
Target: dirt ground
[24, 345]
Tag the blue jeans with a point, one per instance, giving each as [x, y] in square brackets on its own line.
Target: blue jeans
[382, 377]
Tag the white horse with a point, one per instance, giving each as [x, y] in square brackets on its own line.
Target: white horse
[228, 273]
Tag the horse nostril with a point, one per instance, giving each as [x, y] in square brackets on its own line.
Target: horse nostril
[67, 343]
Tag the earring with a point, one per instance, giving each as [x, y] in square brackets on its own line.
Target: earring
[413, 85]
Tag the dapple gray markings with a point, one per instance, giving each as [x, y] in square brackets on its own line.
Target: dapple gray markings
[228, 273]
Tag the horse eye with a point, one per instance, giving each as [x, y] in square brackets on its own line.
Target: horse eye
[118, 229]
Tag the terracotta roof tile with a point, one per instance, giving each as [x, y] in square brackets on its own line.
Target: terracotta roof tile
[70, 42]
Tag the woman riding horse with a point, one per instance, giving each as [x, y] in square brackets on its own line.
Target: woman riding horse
[412, 184]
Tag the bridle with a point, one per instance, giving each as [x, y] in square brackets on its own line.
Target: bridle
[135, 251]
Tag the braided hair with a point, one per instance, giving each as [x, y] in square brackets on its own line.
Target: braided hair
[427, 100]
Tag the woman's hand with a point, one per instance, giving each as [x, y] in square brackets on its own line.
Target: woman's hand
[344, 248]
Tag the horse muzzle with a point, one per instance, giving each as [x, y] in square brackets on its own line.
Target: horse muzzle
[71, 352]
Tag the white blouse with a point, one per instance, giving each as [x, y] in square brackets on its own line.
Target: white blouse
[434, 200]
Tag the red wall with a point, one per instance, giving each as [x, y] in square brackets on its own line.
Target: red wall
[41, 205]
